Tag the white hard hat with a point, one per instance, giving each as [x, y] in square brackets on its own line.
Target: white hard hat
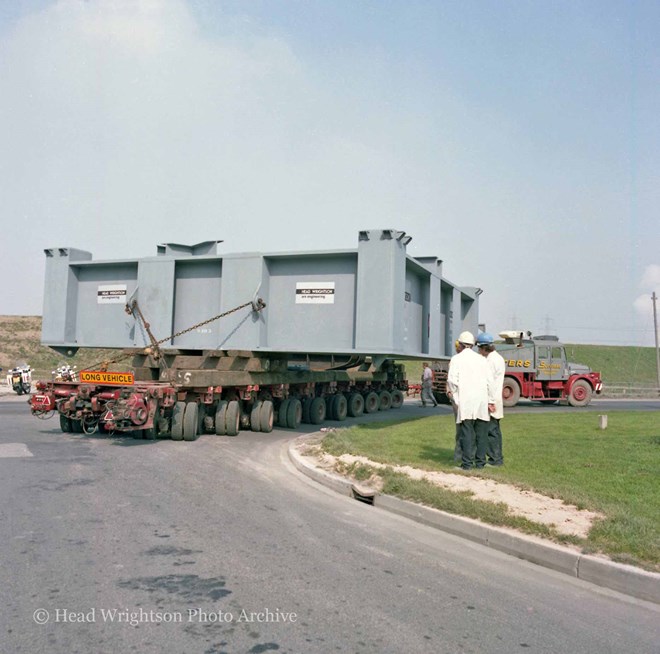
[466, 338]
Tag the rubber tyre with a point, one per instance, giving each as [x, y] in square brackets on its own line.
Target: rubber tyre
[65, 424]
[355, 405]
[294, 413]
[306, 404]
[177, 421]
[385, 403]
[581, 393]
[233, 418]
[339, 407]
[76, 426]
[266, 417]
[397, 399]
[221, 418]
[282, 413]
[255, 416]
[317, 411]
[371, 402]
[510, 392]
[191, 421]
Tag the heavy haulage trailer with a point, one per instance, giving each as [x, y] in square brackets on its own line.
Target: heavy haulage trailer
[253, 339]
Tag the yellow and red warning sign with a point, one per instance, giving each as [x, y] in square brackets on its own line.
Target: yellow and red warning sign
[109, 378]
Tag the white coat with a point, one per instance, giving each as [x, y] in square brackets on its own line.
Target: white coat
[497, 366]
[469, 381]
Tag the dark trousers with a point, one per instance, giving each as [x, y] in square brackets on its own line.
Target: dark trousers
[474, 443]
[494, 453]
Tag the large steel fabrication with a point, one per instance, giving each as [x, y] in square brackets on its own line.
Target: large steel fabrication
[221, 342]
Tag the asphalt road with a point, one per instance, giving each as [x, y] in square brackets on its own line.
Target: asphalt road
[120, 545]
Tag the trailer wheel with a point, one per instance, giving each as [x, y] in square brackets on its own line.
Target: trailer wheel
[317, 411]
[355, 405]
[221, 418]
[397, 399]
[580, 394]
[510, 392]
[282, 412]
[371, 402]
[339, 407]
[306, 404]
[266, 416]
[190, 421]
[294, 414]
[177, 421]
[65, 424]
[233, 418]
[385, 401]
[255, 420]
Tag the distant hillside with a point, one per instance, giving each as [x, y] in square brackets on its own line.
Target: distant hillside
[20, 341]
[618, 363]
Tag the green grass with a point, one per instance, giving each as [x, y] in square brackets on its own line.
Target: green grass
[613, 471]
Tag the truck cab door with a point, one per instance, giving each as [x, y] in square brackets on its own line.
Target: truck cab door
[558, 363]
[543, 363]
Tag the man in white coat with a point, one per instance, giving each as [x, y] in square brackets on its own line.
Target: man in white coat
[497, 367]
[470, 389]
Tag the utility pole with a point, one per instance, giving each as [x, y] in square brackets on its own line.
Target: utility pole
[654, 298]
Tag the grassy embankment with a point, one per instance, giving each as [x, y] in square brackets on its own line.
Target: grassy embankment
[20, 338]
[614, 472]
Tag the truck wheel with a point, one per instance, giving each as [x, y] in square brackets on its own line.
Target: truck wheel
[233, 418]
[190, 421]
[221, 418]
[397, 399]
[510, 392]
[65, 424]
[266, 417]
[355, 405]
[177, 421]
[255, 421]
[294, 414]
[385, 402]
[76, 426]
[282, 412]
[580, 394]
[339, 407]
[317, 411]
[371, 402]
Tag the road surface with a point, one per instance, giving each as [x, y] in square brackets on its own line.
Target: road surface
[122, 545]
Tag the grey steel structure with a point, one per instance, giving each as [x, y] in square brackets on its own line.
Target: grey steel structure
[375, 300]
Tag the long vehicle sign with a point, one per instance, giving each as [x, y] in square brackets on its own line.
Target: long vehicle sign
[109, 378]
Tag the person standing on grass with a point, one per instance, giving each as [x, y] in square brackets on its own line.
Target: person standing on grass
[469, 383]
[427, 385]
[497, 366]
[458, 451]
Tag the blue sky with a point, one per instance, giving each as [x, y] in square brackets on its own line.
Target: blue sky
[517, 141]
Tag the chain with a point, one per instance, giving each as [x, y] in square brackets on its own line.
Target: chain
[134, 308]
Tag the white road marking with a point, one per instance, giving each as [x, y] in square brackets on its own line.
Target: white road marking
[13, 450]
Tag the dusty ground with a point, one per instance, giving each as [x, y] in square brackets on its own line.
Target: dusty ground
[564, 518]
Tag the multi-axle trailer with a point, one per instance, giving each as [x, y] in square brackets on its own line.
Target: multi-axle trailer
[291, 337]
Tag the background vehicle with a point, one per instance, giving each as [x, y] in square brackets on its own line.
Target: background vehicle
[20, 379]
[258, 338]
[537, 369]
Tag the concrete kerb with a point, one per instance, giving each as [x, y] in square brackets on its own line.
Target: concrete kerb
[602, 572]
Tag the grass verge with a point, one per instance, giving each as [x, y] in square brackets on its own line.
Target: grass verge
[613, 471]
